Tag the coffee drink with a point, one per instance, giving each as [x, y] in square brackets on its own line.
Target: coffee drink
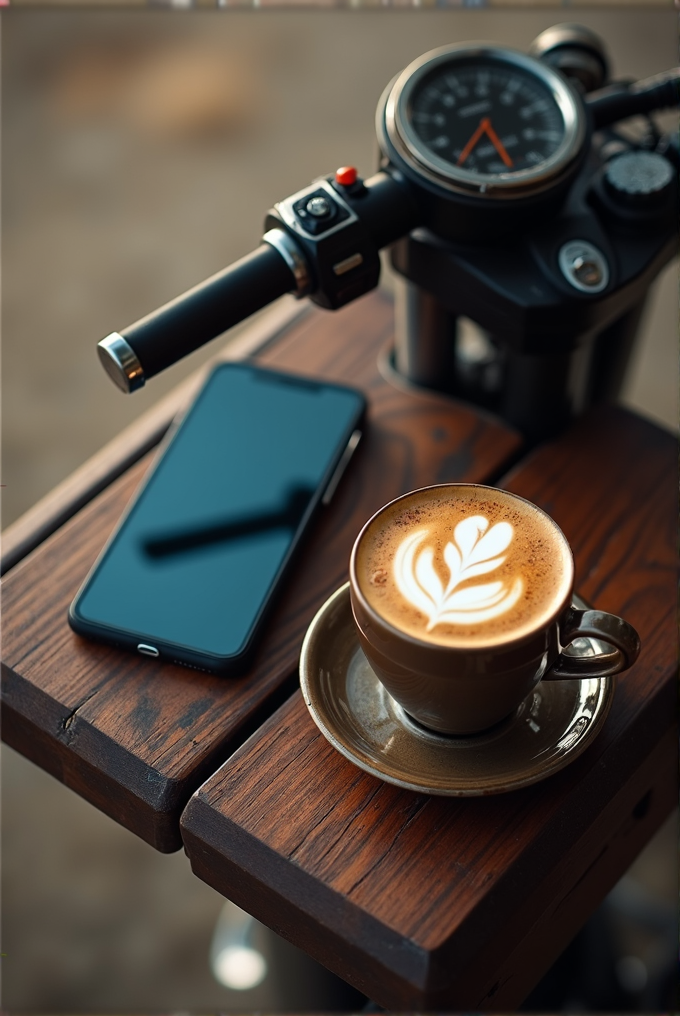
[464, 565]
[462, 600]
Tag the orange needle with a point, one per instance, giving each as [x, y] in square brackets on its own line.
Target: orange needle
[485, 128]
[473, 141]
[497, 143]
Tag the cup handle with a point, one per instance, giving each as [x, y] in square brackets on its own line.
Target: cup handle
[621, 638]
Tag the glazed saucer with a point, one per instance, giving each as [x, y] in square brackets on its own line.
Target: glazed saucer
[356, 714]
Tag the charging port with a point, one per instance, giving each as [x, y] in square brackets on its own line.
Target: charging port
[148, 650]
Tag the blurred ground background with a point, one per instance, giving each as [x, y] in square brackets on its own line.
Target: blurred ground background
[140, 151]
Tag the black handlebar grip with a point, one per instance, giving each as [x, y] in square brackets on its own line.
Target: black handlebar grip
[620, 101]
[187, 322]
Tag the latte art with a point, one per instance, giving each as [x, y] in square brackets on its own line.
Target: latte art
[463, 565]
[473, 552]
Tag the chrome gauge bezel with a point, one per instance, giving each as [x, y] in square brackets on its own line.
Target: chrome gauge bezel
[410, 147]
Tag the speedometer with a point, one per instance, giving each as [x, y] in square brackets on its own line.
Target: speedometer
[485, 120]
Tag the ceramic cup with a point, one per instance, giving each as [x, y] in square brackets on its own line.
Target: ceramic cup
[462, 598]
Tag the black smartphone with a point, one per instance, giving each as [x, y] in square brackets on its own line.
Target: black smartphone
[189, 572]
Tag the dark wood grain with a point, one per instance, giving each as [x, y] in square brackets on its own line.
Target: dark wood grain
[462, 904]
[135, 737]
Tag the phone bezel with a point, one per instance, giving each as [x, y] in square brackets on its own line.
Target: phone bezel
[195, 657]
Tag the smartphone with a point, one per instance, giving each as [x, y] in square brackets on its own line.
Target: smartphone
[192, 567]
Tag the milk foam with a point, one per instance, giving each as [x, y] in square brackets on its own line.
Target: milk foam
[464, 565]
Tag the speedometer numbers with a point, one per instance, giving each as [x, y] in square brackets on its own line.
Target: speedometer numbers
[485, 120]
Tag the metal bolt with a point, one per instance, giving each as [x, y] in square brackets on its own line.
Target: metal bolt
[583, 266]
[318, 207]
[587, 271]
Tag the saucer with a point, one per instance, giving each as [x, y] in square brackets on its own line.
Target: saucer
[551, 728]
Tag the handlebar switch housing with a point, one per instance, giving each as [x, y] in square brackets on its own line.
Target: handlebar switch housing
[342, 255]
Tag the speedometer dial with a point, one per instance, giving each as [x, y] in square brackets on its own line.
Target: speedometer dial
[485, 119]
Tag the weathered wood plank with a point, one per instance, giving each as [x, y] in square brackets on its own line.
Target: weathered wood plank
[462, 904]
[136, 737]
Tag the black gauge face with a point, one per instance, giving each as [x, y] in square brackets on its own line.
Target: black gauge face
[487, 118]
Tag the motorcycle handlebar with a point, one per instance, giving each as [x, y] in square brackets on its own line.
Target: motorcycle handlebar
[161, 338]
[620, 101]
[279, 265]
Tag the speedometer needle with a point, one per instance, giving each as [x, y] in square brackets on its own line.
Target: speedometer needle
[485, 128]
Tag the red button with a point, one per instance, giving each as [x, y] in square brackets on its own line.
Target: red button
[346, 175]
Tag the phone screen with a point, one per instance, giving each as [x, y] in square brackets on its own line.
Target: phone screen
[196, 557]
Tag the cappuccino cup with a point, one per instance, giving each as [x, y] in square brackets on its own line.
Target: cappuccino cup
[462, 599]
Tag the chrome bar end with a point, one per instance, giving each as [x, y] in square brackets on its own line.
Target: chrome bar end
[120, 362]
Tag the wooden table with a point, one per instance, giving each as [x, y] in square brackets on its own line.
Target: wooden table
[419, 902]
